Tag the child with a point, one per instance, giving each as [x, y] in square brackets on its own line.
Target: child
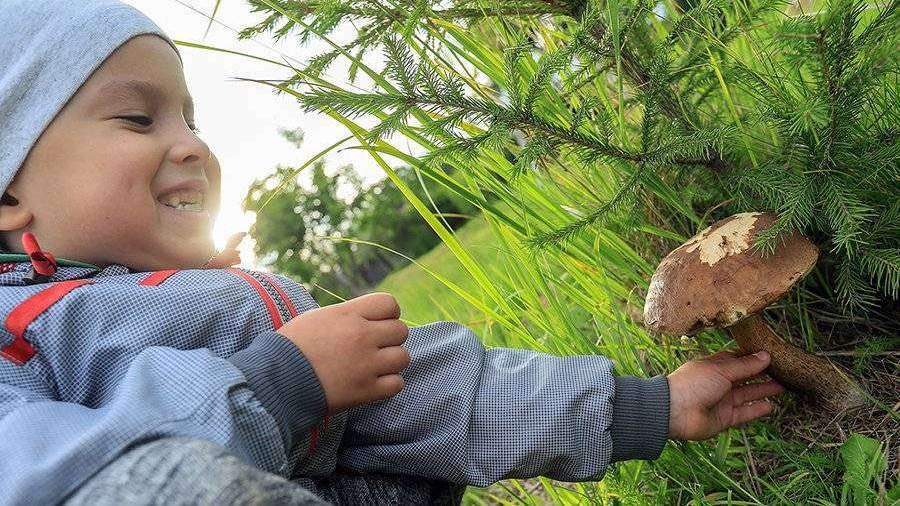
[132, 333]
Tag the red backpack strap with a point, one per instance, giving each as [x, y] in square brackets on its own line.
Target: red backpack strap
[313, 437]
[284, 297]
[272, 308]
[18, 320]
[157, 277]
[274, 314]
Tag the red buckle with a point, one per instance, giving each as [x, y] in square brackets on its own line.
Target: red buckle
[43, 261]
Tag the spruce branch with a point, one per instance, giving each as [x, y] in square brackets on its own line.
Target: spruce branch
[815, 97]
[855, 294]
[633, 68]
[479, 111]
[598, 216]
[883, 267]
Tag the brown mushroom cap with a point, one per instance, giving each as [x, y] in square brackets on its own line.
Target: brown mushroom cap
[717, 278]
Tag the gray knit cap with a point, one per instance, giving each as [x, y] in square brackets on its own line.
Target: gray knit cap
[48, 49]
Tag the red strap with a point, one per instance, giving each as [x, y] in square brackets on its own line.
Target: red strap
[18, 320]
[18, 352]
[263, 294]
[157, 277]
[276, 322]
[284, 296]
[314, 435]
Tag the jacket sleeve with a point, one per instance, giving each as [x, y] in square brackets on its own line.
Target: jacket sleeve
[475, 416]
[253, 403]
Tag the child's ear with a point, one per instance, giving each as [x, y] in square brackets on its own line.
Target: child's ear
[14, 215]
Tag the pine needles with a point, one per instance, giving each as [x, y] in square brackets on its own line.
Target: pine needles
[795, 115]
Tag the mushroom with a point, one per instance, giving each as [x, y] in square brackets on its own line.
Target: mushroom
[717, 279]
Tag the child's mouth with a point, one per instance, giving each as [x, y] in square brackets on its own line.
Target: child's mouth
[184, 200]
[186, 209]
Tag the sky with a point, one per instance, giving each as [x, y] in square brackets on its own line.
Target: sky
[240, 120]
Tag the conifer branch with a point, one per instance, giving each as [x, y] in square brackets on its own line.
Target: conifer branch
[813, 100]
[640, 77]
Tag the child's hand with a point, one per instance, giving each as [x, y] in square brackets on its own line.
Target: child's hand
[707, 396]
[354, 348]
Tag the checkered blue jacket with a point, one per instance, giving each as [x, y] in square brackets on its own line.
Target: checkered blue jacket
[93, 362]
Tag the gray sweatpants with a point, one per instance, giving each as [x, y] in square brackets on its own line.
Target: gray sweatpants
[181, 471]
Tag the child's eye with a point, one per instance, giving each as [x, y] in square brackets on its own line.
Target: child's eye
[141, 120]
[144, 121]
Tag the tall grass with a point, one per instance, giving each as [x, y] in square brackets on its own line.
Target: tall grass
[582, 295]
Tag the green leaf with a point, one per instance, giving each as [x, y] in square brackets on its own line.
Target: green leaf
[863, 462]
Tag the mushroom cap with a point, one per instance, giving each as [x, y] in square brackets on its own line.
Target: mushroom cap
[717, 277]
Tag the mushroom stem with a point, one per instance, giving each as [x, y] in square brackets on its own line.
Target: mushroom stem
[796, 369]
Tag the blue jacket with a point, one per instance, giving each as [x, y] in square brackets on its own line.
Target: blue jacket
[95, 361]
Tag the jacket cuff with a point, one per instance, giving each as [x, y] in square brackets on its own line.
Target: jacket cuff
[640, 422]
[284, 383]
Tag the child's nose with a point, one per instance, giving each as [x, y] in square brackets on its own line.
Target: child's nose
[188, 148]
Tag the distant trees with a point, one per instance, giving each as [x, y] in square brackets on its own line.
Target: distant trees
[296, 227]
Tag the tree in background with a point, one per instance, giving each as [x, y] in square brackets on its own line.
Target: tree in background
[297, 230]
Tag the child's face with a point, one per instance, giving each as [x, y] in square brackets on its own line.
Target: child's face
[99, 188]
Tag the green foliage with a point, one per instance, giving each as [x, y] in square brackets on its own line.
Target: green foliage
[863, 464]
[298, 231]
[290, 222]
[792, 114]
[828, 99]
[789, 470]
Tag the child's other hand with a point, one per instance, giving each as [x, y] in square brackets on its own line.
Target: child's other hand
[707, 396]
[354, 348]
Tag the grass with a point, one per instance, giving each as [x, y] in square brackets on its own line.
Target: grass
[764, 463]
[423, 298]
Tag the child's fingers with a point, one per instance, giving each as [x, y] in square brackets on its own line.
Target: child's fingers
[391, 360]
[720, 355]
[234, 240]
[743, 367]
[388, 332]
[748, 412]
[388, 386]
[755, 392]
[376, 306]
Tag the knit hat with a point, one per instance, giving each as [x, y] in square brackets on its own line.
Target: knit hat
[48, 49]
